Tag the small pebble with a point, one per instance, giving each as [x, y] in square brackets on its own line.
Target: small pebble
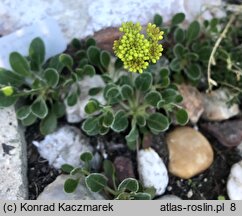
[190, 193]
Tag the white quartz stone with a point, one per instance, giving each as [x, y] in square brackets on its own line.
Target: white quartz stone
[84, 17]
[234, 184]
[64, 146]
[152, 170]
[19, 41]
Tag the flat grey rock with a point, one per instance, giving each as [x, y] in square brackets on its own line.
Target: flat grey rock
[13, 158]
[55, 191]
[63, 146]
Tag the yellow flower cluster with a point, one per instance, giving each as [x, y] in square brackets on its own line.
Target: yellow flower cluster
[135, 50]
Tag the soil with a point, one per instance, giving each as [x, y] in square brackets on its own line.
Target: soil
[206, 186]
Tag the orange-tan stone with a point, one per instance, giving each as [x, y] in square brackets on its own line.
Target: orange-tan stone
[190, 153]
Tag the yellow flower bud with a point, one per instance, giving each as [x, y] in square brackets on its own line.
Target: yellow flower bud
[7, 90]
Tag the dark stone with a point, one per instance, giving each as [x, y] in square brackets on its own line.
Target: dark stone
[124, 168]
[228, 133]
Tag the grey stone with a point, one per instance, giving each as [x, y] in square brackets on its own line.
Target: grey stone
[55, 191]
[13, 157]
[64, 146]
[192, 102]
[228, 133]
[216, 106]
[124, 168]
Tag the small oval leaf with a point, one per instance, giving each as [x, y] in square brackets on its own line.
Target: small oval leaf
[96, 182]
[182, 117]
[19, 64]
[51, 76]
[129, 184]
[39, 108]
[70, 185]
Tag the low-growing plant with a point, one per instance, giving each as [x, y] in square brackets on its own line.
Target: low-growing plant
[42, 85]
[206, 54]
[144, 102]
[128, 189]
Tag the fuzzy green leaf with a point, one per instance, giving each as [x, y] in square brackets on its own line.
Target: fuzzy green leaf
[59, 109]
[105, 59]
[182, 117]
[91, 126]
[152, 98]
[76, 43]
[164, 72]
[179, 50]
[143, 81]
[120, 122]
[66, 60]
[141, 196]
[108, 168]
[193, 72]
[9, 78]
[126, 91]
[23, 112]
[67, 168]
[86, 156]
[178, 18]
[96, 182]
[6, 101]
[95, 91]
[83, 62]
[90, 42]
[48, 124]
[93, 54]
[72, 99]
[39, 108]
[179, 35]
[92, 106]
[191, 56]
[131, 138]
[31, 119]
[170, 95]
[129, 184]
[158, 122]
[70, 185]
[19, 64]
[55, 63]
[52, 77]
[89, 70]
[103, 130]
[193, 31]
[37, 52]
[112, 93]
[141, 121]
[108, 119]
[175, 64]
[158, 20]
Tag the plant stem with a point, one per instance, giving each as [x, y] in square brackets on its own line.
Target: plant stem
[111, 191]
[231, 86]
[211, 61]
